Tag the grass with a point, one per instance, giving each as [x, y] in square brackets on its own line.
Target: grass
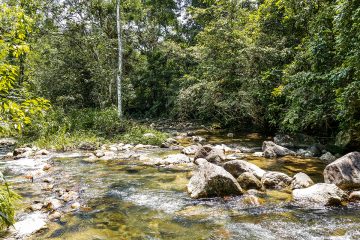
[66, 131]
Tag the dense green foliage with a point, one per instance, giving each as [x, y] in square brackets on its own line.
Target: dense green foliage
[7, 209]
[277, 65]
[66, 131]
[17, 106]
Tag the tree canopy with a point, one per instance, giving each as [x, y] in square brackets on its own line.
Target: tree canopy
[275, 65]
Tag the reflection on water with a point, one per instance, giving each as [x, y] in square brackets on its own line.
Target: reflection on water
[127, 200]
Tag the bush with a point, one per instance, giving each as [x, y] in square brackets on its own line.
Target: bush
[65, 131]
[7, 210]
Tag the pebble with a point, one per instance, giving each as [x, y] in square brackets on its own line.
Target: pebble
[55, 215]
[36, 207]
[75, 205]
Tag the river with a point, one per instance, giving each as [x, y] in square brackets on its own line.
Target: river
[125, 199]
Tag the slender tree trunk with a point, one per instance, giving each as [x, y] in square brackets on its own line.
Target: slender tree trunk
[120, 53]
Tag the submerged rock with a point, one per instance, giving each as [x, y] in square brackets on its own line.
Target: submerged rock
[275, 180]
[211, 154]
[210, 180]
[272, 150]
[247, 180]
[320, 194]
[344, 172]
[237, 167]
[301, 180]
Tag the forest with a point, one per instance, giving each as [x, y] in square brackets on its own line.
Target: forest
[275, 65]
[243, 66]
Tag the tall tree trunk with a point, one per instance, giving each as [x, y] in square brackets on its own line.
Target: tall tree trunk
[119, 72]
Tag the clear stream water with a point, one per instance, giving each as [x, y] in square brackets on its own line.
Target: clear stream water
[127, 200]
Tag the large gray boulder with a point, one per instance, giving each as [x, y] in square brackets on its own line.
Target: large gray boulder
[237, 167]
[276, 180]
[210, 180]
[272, 150]
[319, 195]
[344, 172]
[301, 180]
[211, 154]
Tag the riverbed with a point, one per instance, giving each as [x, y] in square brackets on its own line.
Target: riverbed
[126, 199]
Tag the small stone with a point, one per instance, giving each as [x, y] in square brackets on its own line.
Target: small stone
[99, 153]
[301, 180]
[328, 157]
[75, 205]
[36, 207]
[190, 150]
[48, 187]
[276, 180]
[230, 135]
[48, 180]
[46, 167]
[251, 200]
[42, 152]
[70, 196]
[113, 148]
[258, 154]
[354, 196]
[198, 139]
[55, 215]
[53, 203]
[9, 154]
[247, 180]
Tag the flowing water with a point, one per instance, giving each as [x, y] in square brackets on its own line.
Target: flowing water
[127, 200]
